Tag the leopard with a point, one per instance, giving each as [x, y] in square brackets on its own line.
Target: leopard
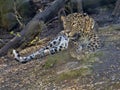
[59, 43]
[79, 35]
[82, 31]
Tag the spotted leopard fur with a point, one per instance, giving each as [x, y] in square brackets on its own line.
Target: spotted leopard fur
[54, 46]
[82, 29]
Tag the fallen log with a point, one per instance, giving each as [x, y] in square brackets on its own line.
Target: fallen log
[116, 11]
[32, 28]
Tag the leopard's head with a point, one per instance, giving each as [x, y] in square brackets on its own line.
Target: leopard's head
[70, 26]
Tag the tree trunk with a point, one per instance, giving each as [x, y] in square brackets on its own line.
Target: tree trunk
[89, 4]
[116, 11]
[29, 31]
[96, 3]
[76, 5]
[79, 6]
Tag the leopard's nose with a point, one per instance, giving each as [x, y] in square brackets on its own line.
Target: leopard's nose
[67, 31]
[70, 34]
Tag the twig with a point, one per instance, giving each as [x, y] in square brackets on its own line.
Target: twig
[17, 15]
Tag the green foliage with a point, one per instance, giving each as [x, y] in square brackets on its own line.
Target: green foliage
[50, 63]
[7, 13]
[5, 7]
[56, 59]
[18, 34]
[15, 34]
[12, 33]
[34, 40]
[26, 10]
[85, 69]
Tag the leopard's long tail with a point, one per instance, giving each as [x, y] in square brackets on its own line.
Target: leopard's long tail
[56, 45]
[30, 57]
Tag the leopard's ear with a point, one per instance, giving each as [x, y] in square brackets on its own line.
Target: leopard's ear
[63, 18]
